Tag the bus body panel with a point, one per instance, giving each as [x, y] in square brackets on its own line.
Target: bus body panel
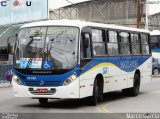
[113, 80]
[70, 91]
[146, 73]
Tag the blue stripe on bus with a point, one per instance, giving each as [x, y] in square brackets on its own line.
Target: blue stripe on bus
[49, 80]
[126, 63]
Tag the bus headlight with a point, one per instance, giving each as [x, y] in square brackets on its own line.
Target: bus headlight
[16, 79]
[70, 79]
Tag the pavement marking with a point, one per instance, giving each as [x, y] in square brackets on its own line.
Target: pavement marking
[103, 108]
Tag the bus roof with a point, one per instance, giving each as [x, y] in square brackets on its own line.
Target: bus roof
[155, 32]
[80, 24]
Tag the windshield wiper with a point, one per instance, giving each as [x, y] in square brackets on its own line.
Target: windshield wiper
[31, 57]
[48, 51]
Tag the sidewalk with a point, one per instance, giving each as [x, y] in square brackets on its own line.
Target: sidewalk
[5, 85]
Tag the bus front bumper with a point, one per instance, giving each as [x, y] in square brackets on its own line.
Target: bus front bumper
[70, 91]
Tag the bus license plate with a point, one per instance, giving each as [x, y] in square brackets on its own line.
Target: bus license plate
[42, 90]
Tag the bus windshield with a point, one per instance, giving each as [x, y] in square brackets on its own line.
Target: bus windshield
[46, 48]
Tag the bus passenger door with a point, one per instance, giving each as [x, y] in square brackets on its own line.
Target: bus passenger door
[85, 60]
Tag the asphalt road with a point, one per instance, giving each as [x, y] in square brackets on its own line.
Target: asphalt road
[147, 101]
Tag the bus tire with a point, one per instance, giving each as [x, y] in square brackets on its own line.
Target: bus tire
[134, 91]
[93, 99]
[100, 91]
[43, 100]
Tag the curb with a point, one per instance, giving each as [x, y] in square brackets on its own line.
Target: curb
[5, 85]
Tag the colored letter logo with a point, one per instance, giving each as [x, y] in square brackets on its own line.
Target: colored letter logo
[28, 3]
[3, 3]
[15, 3]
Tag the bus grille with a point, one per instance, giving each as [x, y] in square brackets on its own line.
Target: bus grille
[46, 83]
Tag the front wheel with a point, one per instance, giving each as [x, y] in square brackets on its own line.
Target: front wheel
[43, 100]
[93, 99]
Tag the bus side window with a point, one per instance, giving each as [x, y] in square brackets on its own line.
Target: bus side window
[145, 43]
[124, 43]
[98, 42]
[85, 51]
[113, 43]
[135, 40]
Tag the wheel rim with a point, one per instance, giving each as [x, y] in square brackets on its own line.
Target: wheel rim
[156, 72]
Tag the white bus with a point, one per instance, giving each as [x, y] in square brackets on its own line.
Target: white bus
[73, 59]
[155, 47]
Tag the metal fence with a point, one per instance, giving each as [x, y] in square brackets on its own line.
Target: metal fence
[122, 12]
[4, 67]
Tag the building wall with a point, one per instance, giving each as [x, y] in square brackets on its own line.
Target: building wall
[154, 22]
[121, 12]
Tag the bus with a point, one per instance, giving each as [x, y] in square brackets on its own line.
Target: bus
[155, 46]
[74, 59]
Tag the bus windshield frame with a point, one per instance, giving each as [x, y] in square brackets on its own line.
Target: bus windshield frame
[47, 48]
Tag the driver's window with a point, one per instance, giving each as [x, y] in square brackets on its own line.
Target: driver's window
[85, 52]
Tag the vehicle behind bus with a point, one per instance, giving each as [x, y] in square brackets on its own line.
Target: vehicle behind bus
[155, 46]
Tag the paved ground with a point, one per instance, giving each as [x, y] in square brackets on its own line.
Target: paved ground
[5, 85]
[147, 101]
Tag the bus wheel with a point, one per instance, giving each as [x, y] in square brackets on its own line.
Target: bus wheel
[93, 99]
[43, 100]
[134, 91]
[155, 72]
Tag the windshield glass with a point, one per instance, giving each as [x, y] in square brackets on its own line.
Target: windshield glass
[46, 48]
